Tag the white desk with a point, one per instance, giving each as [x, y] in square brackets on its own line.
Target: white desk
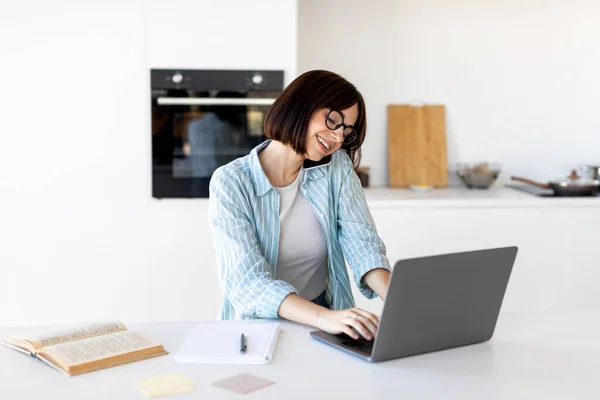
[531, 356]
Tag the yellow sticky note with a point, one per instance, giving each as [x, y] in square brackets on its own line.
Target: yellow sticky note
[165, 385]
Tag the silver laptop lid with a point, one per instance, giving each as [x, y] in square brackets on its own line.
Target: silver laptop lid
[443, 301]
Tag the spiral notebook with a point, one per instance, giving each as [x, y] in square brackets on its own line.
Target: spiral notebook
[218, 342]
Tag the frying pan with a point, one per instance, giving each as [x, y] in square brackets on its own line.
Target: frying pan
[572, 186]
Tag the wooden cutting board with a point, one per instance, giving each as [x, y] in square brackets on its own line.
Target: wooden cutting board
[417, 145]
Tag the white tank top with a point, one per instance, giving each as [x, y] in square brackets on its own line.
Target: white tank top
[302, 259]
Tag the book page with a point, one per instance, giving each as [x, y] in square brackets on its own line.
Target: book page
[50, 337]
[98, 348]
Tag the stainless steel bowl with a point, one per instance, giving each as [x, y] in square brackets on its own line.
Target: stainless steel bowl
[478, 175]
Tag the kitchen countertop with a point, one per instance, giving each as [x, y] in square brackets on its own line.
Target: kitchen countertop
[497, 196]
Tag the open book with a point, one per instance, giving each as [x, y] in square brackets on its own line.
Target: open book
[87, 348]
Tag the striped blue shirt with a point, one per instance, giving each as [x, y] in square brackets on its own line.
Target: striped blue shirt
[244, 220]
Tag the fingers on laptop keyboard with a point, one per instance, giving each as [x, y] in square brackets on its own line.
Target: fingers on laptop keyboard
[361, 324]
[360, 328]
[348, 330]
[366, 314]
[369, 320]
[367, 323]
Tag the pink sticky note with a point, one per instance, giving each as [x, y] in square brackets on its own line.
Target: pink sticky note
[243, 383]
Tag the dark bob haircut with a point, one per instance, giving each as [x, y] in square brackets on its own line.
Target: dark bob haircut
[290, 114]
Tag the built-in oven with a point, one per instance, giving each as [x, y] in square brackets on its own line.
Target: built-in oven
[203, 119]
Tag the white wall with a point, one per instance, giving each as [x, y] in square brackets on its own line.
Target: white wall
[519, 78]
[80, 236]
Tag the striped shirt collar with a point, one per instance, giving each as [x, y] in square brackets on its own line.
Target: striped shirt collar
[312, 169]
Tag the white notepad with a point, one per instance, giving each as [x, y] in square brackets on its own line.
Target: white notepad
[218, 342]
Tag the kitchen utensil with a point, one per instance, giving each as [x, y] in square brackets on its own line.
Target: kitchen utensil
[591, 171]
[572, 186]
[479, 175]
[417, 145]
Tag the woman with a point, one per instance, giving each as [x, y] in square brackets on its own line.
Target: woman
[286, 217]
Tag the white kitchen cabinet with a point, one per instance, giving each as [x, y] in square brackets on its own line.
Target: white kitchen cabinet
[558, 263]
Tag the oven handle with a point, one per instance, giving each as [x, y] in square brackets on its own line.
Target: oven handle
[192, 101]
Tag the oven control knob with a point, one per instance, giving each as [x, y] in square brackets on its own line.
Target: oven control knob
[177, 78]
[257, 79]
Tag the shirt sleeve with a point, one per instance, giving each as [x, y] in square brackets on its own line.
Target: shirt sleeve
[244, 274]
[362, 247]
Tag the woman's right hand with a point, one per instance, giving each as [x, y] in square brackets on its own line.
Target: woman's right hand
[336, 322]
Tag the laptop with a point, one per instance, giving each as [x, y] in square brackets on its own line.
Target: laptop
[435, 303]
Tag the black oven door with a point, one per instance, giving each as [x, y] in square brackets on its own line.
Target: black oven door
[196, 128]
[200, 134]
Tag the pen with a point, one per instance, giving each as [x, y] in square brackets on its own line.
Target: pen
[242, 344]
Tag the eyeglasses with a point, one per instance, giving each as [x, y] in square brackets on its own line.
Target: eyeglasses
[334, 120]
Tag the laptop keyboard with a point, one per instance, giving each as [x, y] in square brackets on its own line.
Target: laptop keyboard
[363, 345]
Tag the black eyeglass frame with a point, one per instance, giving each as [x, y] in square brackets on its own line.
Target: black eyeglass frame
[348, 138]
